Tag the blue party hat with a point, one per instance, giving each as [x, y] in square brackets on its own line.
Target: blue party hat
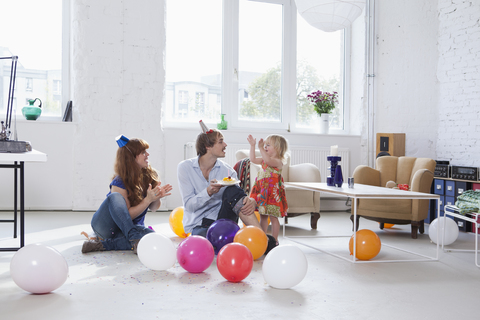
[122, 140]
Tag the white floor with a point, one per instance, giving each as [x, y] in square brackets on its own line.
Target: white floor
[117, 285]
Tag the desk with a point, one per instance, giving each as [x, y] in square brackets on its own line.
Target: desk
[18, 160]
[361, 191]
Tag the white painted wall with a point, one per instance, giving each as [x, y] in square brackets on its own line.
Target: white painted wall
[425, 64]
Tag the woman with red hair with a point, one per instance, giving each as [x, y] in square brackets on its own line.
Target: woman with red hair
[119, 222]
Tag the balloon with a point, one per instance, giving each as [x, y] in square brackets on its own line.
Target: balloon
[221, 232]
[195, 254]
[254, 239]
[234, 262]
[368, 245]
[451, 230]
[258, 217]
[176, 222]
[38, 269]
[387, 225]
[156, 251]
[285, 266]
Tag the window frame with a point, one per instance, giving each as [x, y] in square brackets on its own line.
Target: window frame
[230, 67]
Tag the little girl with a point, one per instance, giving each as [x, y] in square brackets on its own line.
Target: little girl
[269, 189]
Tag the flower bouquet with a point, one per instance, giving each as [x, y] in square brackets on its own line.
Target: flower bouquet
[323, 102]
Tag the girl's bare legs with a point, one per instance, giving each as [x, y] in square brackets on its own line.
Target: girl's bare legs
[264, 222]
[275, 227]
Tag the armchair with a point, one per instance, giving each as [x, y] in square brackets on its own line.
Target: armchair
[299, 201]
[416, 172]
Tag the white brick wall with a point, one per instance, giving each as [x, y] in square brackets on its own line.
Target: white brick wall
[459, 82]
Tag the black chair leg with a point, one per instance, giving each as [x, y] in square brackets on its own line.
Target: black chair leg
[358, 219]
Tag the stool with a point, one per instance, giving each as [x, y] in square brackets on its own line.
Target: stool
[473, 220]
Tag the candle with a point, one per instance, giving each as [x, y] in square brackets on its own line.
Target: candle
[334, 151]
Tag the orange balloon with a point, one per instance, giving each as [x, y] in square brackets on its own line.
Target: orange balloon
[176, 222]
[254, 239]
[368, 245]
[388, 225]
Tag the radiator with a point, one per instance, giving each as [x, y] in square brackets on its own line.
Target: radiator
[303, 154]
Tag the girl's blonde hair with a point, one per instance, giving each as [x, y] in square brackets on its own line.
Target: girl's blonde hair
[279, 143]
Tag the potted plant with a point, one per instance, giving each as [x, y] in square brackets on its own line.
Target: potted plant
[323, 104]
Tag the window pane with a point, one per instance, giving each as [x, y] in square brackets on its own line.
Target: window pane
[260, 57]
[193, 61]
[319, 67]
[32, 30]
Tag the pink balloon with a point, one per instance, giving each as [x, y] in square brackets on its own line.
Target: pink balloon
[195, 254]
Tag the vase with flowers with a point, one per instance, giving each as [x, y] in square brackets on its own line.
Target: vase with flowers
[323, 104]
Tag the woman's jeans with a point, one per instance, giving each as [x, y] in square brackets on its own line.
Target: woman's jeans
[113, 225]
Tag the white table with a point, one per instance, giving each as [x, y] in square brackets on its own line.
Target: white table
[18, 160]
[361, 191]
[473, 220]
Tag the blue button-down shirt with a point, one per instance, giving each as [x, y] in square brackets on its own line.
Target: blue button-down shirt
[193, 190]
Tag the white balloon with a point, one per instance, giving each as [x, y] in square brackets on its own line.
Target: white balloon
[451, 230]
[284, 266]
[37, 268]
[156, 251]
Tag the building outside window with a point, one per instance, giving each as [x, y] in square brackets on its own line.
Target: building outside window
[39, 47]
[259, 57]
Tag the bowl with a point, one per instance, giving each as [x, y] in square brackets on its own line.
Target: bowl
[31, 113]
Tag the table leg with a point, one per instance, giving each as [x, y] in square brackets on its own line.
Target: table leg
[22, 204]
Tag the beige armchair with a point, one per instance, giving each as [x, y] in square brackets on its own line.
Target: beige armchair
[299, 201]
[416, 172]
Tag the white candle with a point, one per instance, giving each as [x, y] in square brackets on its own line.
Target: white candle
[334, 151]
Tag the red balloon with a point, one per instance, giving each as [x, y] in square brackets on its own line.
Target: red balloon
[234, 262]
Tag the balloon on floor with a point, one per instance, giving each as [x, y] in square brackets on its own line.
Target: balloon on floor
[195, 254]
[368, 244]
[234, 262]
[450, 228]
[221, 232]
[254, 239]
[176, 222]
[285, 266]
[156, 251]
[39, 269]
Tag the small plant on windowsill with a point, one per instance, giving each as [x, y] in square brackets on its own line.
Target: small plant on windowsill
[323, 102]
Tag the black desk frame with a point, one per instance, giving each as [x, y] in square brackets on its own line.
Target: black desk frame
[17, 165]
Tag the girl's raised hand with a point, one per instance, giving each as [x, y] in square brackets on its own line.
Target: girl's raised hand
[251, 140]
[261, 143]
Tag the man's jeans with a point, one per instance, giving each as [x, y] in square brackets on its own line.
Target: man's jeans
[230, 197]
[113, 225]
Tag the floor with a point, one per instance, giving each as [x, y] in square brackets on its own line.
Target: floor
[117, 284]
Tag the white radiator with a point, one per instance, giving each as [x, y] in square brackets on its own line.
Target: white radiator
[310, 154]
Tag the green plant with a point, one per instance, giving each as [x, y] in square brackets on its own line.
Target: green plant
[323, 102]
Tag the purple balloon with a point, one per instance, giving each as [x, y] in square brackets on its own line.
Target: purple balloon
[222, 232]
[195, 254]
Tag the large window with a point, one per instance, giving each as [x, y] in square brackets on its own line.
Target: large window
[253, 60]
[32, 30]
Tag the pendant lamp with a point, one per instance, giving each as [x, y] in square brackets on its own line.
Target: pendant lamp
[330, 15]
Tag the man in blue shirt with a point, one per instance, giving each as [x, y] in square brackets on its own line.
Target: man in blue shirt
[204, 199]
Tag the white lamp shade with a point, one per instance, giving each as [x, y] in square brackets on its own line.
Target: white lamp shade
[330, 15]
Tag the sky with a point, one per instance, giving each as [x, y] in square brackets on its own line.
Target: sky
[200, 51]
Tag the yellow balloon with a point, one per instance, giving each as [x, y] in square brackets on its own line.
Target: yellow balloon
[258, 217]
[176, 222]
